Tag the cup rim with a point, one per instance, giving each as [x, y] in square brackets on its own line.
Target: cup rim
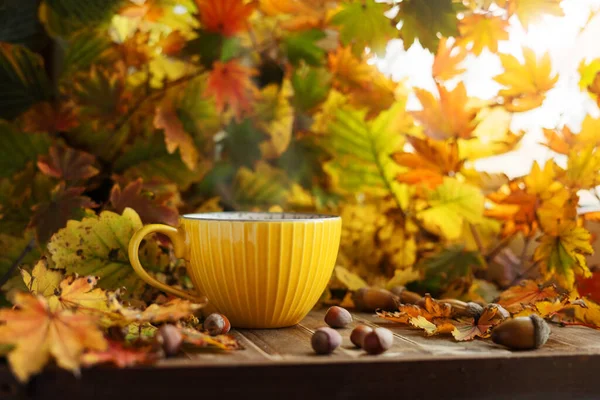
[258, 216]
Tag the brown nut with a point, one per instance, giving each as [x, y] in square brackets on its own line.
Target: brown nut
[378, 341]
[462, 309]
[338, 317]
[170, 339]
[216, 324]
[522, 333]
[325, 340]
[405, 296]
[358, 334]
[371, 299]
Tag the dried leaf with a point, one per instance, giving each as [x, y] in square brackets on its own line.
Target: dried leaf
[430, 310]
[42, 280]
[471, 328]
[227, 17]
[171, 311]
[528, 292]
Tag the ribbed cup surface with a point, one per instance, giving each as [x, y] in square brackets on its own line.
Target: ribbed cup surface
[262, 274]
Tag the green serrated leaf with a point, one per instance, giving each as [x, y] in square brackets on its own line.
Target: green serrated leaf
[83, 50]
[68, 16]
[18, 148]
[23, 80]
[98, 246]
[424, 20]
[311, 86]
[302, 46]
[363, 23]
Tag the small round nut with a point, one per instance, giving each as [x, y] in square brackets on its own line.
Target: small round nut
[378, 341]
[338, 317]
[170, 339]
[216, 324]
[358, 334]
[522, 333]
[325, 340]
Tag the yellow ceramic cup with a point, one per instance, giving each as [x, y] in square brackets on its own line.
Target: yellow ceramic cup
[262, 270]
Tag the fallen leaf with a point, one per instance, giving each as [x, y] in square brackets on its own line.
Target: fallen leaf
[439, 326]
[39, 334]
[430, 310]
[525, 84]
[200, 339]
[471, 328]
[172, 311]
[231, 86]
[528, 292]
[42, 280]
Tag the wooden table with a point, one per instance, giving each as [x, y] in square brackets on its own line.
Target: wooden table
[281, 364]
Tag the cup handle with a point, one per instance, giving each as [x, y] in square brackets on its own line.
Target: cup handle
[179, 245]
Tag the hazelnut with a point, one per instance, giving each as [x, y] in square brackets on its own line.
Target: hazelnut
[358, 334]
[405, 296]
[378, 341]
[338, 317]
[522, 333]
[371, 299]
[216, 324]
[325, 340]
[170, 339]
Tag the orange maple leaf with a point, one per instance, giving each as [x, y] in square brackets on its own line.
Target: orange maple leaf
[446, 64]
[482, 31]
[448, 117]
[175, 135]
[227, 17]
[39, 333]
[429, 309]
[470, 328]
[173, 43]
[528, 292]
[517, 208]
[300, 14]
[231, 86]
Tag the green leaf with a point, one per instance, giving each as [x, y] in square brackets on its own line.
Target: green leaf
[445, 268]
[83, 50]
[242, 143]
[450, 205]
[211, 47]
[363, 23]
[98, 246]
[262, 187]
[198, 114]
[362, 150]
[148, 158]
[302, 46]
[311, 86]
[302, 161]
[76, 14]
[424, 20]
[18, 148]
[23, 80]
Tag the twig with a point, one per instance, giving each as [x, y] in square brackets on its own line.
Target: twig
[476, 238]
[16, 263]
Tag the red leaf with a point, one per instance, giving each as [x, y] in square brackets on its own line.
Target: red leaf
[226, 17]
[231, 86]
[589, 287]
[66, 163]
[45, 117]
[151, 208]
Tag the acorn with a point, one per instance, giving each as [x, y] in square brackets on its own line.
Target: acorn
[462, 309]
[522, 333]
[216, 324]
[338, 317]
[358, 334]
[405, 296]
[371, 299]
[325, 340]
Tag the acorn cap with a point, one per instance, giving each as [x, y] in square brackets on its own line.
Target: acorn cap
[542, 330]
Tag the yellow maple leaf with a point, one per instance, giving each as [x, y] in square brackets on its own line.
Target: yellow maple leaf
[297, 14]
[531, 11]
[439, 325]
[583, 168]
[448, 60]
[446, 117]
[540, 180]
[175, 135]
[482, 31]
[42, 280]
[39, 333]
[561, 252]
[276, 117]
[525, 84]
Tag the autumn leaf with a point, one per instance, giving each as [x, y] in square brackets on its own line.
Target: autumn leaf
[447, 61]
[259, 187]
[40, 334]
[563, 141]
[175, 136]
[65, 204]
[66, 163]
[528, 292]
[365, 24]
[18, 149]
[583, 168]
[350, 280]
[561, 252]
[589, 287]
[199, 339]
[42, 280]
[276, 118]
[171, 311]
[479, 31]
[46, 117]
[446, 117]
[471, 328]
[120, 355]
[303, 46]
[516, 207]
[439, 326]
[430, 310]
[227, 17]
[450, 205]
[97, 246]
[151, 207]
[525, 84]
[542, 181]
[297, 15]
[231, 86]
[531, 11]
[546, 308]
[426, 21]
[173, 43]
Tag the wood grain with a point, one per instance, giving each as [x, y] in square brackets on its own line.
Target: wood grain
[279, 363]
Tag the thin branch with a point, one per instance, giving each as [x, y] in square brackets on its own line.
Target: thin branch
[17, 262]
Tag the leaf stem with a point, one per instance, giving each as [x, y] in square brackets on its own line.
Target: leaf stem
[16, 263]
